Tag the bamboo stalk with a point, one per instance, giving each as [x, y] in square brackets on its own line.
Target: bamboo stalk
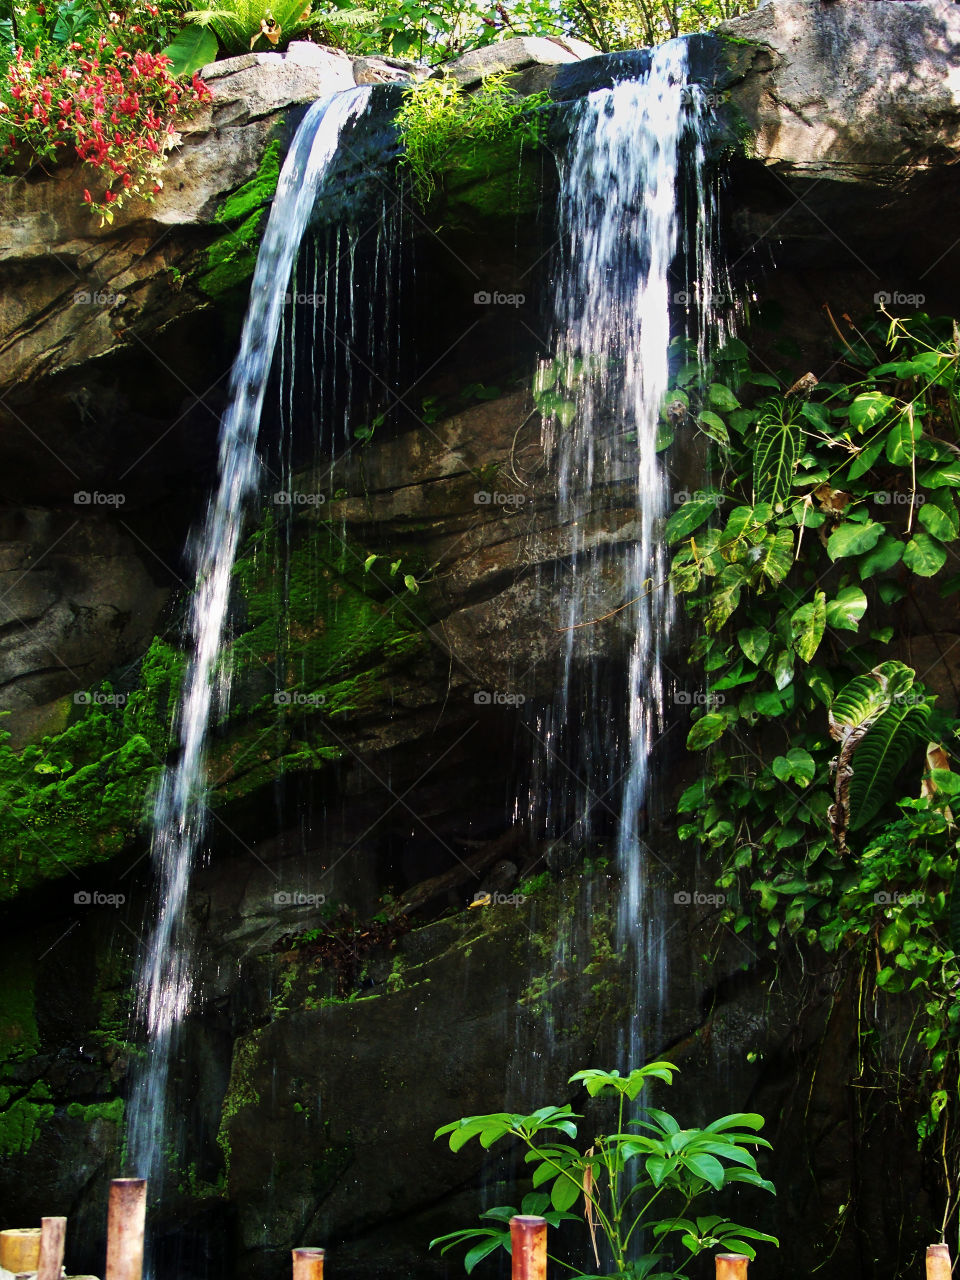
[732, 1266]
[529, 1240]
[126, 1217]
[938, 1262]
[308, 1264]
[53, 1235]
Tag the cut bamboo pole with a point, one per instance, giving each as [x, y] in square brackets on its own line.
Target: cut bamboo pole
[53, 1236]
[529, 1241]
[308, 1264]
[732, 1266]
[126, 1218]
[938, 1262]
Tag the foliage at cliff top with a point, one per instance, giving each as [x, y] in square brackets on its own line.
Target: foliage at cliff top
[99, 96]
[810, 562]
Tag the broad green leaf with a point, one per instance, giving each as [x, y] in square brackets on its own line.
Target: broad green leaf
[714, 426]
[688, 517]
[924, 556]
[939, 519]
[868, 409]
[480, 1251]
[887, 553]
[807, 626]
[796, 766]
[776, 448]
[706, 1167]
[817, 416]
[845, 611]
[776, 556]
[722, 397]
[901, 442]
[193, 47]
[880, 757]
[706, 730]
[852, 539]
[754, 641]
[937, 477]
[564, 1193]
[866, 458]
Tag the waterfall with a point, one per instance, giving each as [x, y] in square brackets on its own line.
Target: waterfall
[605, 381]
[164, 977]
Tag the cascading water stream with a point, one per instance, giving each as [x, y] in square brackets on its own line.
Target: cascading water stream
[620, 226]
[164, 983]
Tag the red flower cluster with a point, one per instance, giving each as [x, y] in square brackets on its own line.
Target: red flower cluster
[115, 107]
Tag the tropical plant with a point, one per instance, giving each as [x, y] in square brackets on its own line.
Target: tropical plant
[438, 122]
[237, 26]
[648, 1161]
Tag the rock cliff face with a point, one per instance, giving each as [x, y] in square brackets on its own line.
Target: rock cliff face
[314, 1071]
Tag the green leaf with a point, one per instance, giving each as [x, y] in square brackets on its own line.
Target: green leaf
[410, 582]
[706, 730]
[939, 519]
[369, 562]
[880, 757]
[564, 1193]
[940, 476]
[689, 516]
[901, 443]
[887, 553]
[817, 416]
[851, 539]
[868, 409]
[846, 610]
[776, 556]
[776, 448]
[807, 626]
[714, 427]
[480, 1251]
[924, 556]
[722, 397]
[706, 1167]
[865, 459]
[754, 641]
[192, 49]
[796, 766]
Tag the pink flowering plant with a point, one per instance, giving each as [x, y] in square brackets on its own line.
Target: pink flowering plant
[102, 98]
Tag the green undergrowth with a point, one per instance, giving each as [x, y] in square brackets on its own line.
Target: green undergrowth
[232, 257]
[77, 797]
[24, 1105]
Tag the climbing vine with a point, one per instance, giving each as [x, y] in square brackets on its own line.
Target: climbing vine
[828, 530]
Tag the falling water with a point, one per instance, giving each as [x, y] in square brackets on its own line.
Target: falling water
[180, 814]
[608, 374]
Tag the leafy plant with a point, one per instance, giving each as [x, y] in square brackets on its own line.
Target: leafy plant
[439, 122]
[650, 1158]
[239, 25]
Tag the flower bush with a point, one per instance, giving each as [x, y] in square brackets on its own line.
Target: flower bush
[115, 107]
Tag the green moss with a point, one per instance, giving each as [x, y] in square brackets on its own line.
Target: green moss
[77, 797]
[112, 1111]
[240, 1089]
[23, 1106]
[231, 258]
